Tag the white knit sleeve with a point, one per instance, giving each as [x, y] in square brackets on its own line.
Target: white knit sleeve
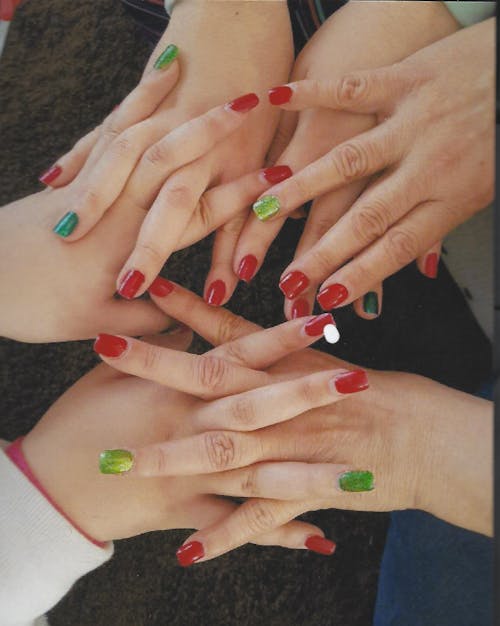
[41, 554]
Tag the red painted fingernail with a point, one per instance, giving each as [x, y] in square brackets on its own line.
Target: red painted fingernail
[351, 382]
[321, 545]
[293, 284]
[245, 103]
[247, 267]
[110, 345]
[314, 327]
[431, 265]
[332, 296]
[280, 95]
[131, 284]
[161, 287]
[50, 175]
[189, 553]
[300, 308]
[216, 292]
[277, 173]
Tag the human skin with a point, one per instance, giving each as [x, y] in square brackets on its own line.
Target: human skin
[225, 49]
[427, 182]
[429, 447]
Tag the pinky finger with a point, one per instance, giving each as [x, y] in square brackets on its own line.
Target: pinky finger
[369, 307]
[69, 165]
[258, 521]
[428, 263]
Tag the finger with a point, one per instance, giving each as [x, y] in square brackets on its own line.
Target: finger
[382, 204]
[401, 245]
[325, 213]
[352, 160]
[162, 228]
[221, 450]
[282, 137]
[221, 204]
[428, 263]
[251, 519]
[131, 318]
[280, 481]
[369, 91]
[221, 279]
[177, 337]
[369, 307]
[200, 375]
[272, 404]
[117, 150]
[209, 510]
[185, 144]
[68, 166]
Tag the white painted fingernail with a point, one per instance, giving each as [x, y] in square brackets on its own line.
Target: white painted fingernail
[331, 333]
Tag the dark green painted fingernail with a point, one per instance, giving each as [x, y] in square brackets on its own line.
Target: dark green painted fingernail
[115, 461]
[266, 207]
[66, 225]
[166, 57]
[357, 480]
[370, 303]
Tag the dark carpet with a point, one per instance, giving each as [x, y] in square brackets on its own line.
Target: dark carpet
[65, 66]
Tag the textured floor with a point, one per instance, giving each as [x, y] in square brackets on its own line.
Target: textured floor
[65, 66]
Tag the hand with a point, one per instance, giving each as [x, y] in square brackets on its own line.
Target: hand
[360, 35]
[254, 42]
[117, 410]
[426, 445]
[432, 181]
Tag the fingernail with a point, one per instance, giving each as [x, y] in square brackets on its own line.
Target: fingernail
[314, 327]
[276, 174]
[266, 207]
[280, 95]
[293, 284]
[243, 104]
[300, 308]
[161, 287]
[332, 296]
[370, 303]
[351, 382]
[321, 545]
[166, 57]
[189, 553]
[216, 292]
[50, 175]
[115, 461]
[247, 267]
[66, 225]
[110, 345]
[357, 480]
[431, 265]
[131, 284]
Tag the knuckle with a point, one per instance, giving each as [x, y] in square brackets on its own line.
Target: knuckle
[230, 327]
[178, 195]
[352, 89]
[351, 160]
[243, 411]
[91, 198]
[308, 392]
[212, 372]
[148, 250]
[321, 259]
[110, 133]
[157, 461]
[157, 154]
[370, 222]
[402, 246]
[220, 449]
[151, 358]
[205, 214]
[259, 517]
[320, 225]
[248, 485]
[121, 145]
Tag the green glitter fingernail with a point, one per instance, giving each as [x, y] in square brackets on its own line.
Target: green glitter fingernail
[166, 57]
[266, 207]
[370, 303]
[66, 225]
[115, 461]
[357, 480]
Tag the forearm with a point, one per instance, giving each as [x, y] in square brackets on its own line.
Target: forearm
[457, 461]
